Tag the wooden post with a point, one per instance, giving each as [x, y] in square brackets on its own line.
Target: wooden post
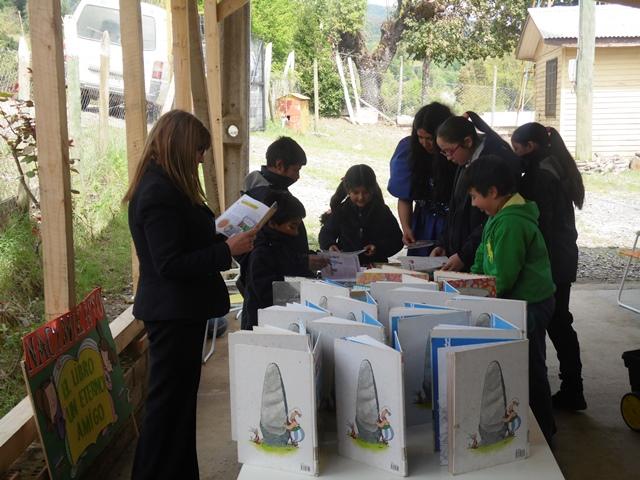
[103, 104]
[214, 91]
[494, 93]
[344, 88]
[200, 102]
[584, 80]
[316, 97]
[74, 107]
[352, 74]
[400, 84]
[135, 102]
[53, 157]
[24, 64]
[268, 55]
[181, 54]
[235, 101]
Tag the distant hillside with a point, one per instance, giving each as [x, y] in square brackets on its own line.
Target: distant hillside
[376, 14]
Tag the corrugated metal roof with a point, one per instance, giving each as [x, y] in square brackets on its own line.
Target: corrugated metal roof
[612, 21]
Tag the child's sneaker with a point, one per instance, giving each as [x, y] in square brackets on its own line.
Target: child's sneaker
[569, 400]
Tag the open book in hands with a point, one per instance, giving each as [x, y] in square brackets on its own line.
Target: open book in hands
[245, 214]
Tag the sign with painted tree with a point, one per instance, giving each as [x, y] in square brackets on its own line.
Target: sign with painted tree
[76, 387]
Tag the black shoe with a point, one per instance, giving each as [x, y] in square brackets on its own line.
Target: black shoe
[222, 327]
[569, 400]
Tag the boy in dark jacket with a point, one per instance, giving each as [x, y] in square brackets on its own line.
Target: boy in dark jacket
[513, 250]
[276, 254]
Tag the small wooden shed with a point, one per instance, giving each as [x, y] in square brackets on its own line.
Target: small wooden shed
[293, 109]
[549, 39]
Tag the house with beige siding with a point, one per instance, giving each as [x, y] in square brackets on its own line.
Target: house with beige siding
[549, 39]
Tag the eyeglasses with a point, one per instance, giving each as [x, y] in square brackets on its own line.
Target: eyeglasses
[449, 152]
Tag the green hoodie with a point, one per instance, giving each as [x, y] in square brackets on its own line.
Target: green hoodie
[513, 250]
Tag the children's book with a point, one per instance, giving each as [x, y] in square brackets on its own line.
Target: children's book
[289, 316]
[488, 402]
[351, 309]
[369, 403]
[466, 283]
[317, 292]
[413, 326]
[389, 294]
[343, 266]
[287, 291]
[443, 336]
[387, 273]
[513, 311]
[271, 339]
[276, 408]
[422, 264]
[244, 214]
[328, 329]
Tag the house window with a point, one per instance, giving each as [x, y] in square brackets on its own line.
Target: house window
[551, 88]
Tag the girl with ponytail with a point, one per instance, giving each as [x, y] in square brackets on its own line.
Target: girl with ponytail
[359, 219]
[551, 179]
[460, 143]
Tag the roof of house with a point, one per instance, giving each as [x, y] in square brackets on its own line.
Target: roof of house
[560, 25]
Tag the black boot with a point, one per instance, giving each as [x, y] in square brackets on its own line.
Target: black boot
[569, 399]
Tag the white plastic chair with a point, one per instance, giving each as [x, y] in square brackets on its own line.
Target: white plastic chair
[633, 253]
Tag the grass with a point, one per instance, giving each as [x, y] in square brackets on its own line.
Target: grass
[494, 447]
[376, 447]
[274, 449]
[625, 183]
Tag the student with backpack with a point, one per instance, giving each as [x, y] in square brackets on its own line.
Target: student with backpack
[551, 179]
[422, 178]
[276, 254]
[459, 141]
[359, 219]
[513, 250]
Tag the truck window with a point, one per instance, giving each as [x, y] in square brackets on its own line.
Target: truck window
[95, 19]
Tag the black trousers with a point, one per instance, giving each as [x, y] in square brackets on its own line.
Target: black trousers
[167, 444]
[538, 318]
[565, 340]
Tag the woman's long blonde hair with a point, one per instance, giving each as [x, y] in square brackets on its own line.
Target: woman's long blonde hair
[173, 144]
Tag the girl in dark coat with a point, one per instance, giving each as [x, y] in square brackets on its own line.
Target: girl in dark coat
[422, 178]
[359, 219]
[551, 179]
[180, 287]
[459, 141]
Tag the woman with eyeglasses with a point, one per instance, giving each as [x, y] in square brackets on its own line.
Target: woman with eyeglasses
[459, 141]
[422, 179]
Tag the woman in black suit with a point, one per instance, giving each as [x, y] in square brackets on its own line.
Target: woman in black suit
[180, 287]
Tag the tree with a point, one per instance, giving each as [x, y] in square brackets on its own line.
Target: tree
[276, 21]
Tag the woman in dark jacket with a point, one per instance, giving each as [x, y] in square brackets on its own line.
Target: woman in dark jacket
[359, 219]
[422, 179]
[552, 180]
[179, 288]
[460, 143]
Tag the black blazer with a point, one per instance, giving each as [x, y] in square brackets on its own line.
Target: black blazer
[179, 251]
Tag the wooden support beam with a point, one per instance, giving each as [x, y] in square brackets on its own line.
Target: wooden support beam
[53, 156]
[214, 92]
[227, 7]
[201, 103]
[181, 54]
[584, 84]
[135, 101]
[235, 101]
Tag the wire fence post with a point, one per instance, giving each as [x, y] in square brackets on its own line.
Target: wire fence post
[74, 107]
[400, 80]
[103, 104]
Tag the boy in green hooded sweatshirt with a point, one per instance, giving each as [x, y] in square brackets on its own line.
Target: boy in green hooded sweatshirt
[513, 250]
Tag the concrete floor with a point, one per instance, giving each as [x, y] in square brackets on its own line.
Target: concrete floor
[594, 444]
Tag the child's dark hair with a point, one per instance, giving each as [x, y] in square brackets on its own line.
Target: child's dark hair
[425, 165]
[357, 176]
[549, 142]
[490, 171]
[287, 150]
[289, 207]
[456, 129]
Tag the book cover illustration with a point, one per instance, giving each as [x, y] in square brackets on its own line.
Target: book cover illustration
[513, 311]
[369, 400]
[488, 405]
[466, 283]
[277, 409]
[316, 292]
